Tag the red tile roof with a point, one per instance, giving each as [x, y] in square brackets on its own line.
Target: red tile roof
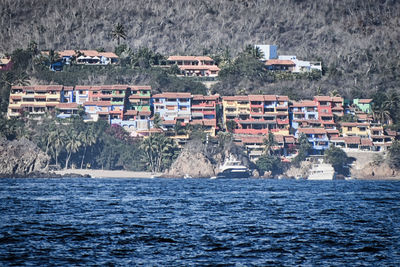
[88, 53]
[139, 87]
[352, 139]
[236, 98]
[108, 54]
[66, 53]
[364, 101]
[323, 98]
[366, 142]
[304, 103]
[283, 98]
[279, 62]
[131, 112]
[256, 97]
[354, 124]
[46, 88]
[145, 113]
[289, 139]
[270, 97]
[82, 87]
[337, 99]
[332, 131]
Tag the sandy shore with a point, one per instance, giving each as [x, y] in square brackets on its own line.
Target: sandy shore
[109, 174]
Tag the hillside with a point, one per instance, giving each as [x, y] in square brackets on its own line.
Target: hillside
[358, 41]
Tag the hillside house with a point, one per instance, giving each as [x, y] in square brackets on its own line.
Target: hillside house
[202, 66]
[204, 112]
[317, 137]
[365, 105]
[280, 65]
[257, 114]
[66, 110]
[172, 108]
[33, 100]
[5, 64]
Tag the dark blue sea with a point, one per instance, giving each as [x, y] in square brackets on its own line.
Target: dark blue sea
[199, 222]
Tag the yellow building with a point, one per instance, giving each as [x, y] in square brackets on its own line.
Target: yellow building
[257, 114]
[35, 100]
[355, 129]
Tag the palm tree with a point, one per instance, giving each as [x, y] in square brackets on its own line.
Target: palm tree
[150, 150]
[159, 151]
[334, 93]
[88, 138]
[118, 32]
[22, 79]
[72, 145]
[157, 121]
[269, 142]
[58, 140]
[392, 104]
[53, 56]
[254, 51]
[381, 113]
[231, 126]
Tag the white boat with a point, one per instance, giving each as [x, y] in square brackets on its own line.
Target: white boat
[233, 168]
[322, 171]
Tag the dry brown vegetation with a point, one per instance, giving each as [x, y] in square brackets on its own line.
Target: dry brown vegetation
[358, 41]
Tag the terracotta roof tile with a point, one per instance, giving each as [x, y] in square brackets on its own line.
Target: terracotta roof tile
[270, 97]
[131, 112]
[352, 140]
[236, 98]
[256, 97]
[140, 87]
[364, 101]
[366, 142]
[323, 98]
[279, 62]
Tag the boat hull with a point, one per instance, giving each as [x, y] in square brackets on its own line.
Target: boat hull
[229, 174]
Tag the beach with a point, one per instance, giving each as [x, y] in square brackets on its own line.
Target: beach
[108, 173]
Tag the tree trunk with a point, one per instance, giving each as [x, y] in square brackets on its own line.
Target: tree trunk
[83, 158]
[56, 157]
[66, 163]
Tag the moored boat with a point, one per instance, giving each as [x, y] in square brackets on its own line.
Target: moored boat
[233, 168]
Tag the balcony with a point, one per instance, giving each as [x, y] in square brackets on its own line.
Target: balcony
[279, 121]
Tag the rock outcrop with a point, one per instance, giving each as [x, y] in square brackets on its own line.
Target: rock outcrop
[366, 166]
[191, 163]
[21, 158]
[200, 160]
[299, 172]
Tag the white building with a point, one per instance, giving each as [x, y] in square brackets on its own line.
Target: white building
[301, 65]
[269, 51]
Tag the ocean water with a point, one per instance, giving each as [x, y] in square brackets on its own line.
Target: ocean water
[175, 222]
